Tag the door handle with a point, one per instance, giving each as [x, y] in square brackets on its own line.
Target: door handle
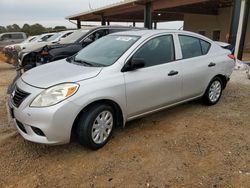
[172, 73]
[211, 64]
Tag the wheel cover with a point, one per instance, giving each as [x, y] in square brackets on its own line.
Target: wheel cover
[102, 127]
[215, 91]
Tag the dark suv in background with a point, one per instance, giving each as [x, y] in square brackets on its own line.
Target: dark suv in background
[66, 47]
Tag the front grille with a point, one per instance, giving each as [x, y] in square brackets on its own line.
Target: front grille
[21, 127]
[18, 96]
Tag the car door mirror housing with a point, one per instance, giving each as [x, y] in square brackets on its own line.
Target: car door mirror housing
[133, 64]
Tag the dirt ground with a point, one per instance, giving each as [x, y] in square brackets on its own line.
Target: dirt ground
[190, 145]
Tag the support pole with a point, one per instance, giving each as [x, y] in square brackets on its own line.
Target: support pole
[78, 24]
[133, 23]
[148, 16]
[155, 25]
[244, 29]
[235, 21]
[103, 21]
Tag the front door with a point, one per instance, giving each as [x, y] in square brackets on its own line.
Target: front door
[158, 83]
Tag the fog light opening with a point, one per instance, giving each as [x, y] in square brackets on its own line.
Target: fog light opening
[37, 131]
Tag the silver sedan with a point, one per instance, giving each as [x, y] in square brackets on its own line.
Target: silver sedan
[116, 79]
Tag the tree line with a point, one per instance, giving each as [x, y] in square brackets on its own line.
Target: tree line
[35, 29]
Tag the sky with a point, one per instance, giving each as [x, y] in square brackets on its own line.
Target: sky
[51, 13]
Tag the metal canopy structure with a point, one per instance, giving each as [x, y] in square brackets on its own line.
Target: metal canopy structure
[153, 11]
[162, 10]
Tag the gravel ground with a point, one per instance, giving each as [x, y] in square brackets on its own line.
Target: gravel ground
[186, 146]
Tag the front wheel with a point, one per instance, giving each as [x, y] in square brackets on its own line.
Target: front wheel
[213, 92]
[95, 126]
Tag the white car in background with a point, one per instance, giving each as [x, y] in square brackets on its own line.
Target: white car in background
[38, 39]
[56, 37]
[28, 40]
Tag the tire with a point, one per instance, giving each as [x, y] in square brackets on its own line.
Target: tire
[213, 92]
[91, 127]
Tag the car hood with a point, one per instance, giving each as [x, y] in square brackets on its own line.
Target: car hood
[58, 72]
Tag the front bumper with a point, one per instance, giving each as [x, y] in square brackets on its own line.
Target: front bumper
[47, 125]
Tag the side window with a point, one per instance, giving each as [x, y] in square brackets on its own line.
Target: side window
[16, 36]
[67, 34]
[46, 37]
[190, 46]
[205, 46]
[98, 34]
[157, 51]
[6, 37]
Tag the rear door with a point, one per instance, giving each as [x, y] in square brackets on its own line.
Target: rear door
[159, 82]
[196, 65]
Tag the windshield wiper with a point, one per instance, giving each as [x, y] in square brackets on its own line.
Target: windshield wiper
[82, 62]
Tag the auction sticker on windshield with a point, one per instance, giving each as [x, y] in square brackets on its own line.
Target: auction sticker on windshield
[125, 39]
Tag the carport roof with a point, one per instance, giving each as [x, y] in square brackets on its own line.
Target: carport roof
[163, 10]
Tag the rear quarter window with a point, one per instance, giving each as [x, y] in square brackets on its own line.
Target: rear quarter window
[205, 46]
[193, 47]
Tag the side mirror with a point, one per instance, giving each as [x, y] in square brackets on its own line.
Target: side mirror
[133, 64]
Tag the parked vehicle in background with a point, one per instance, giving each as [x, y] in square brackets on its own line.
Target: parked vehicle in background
[66, 47]
[10, 52]
[40, 38]
[11, 38]
[49, 41]
[28, 40]
[115, 79]
[59, 36]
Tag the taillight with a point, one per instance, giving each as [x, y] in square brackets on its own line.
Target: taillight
[231, 56]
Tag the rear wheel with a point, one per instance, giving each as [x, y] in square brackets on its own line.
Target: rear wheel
[95, 126]
[213, 92]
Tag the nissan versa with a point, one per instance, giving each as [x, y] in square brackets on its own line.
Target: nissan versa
[117, 78]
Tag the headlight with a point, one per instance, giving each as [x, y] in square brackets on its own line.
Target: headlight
[55, 95]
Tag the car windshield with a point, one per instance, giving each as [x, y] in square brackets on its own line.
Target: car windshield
[105, 51]
[73, 37]
[55, 36]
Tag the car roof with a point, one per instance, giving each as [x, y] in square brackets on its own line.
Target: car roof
[67, 31]
[118, 26]
[148, 33]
